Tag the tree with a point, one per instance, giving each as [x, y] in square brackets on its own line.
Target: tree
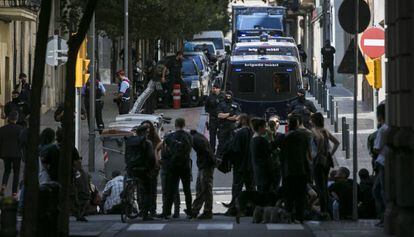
[65, 164]
[31, 181]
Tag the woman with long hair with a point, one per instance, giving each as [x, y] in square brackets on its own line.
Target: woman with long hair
[155, 140]
[322, 158]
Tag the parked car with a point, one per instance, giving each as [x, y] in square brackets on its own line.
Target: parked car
[204, 67]
[198, 88]
[209, 46]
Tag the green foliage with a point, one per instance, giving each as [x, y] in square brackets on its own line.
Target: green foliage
[165, 19]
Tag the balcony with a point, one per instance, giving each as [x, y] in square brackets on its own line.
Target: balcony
[19, 10]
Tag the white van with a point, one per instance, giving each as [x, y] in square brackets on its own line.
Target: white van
[216, 37]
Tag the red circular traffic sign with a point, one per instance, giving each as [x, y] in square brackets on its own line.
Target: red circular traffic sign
[373, 42]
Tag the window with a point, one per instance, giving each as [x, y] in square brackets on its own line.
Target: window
[281, 82]
[218, 42]
[188, 68]
[246, 82]
[250, 22]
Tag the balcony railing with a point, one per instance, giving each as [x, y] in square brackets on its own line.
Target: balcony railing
[29, 4]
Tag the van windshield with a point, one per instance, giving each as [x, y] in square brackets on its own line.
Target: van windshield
[252, 22]
[218, 42]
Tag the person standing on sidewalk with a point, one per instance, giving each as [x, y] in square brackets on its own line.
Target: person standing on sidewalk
[303, 107]
[242, 165]
[123, 96]
[211, 107]
[140, 162]
[155, 139]
[23, 88]
[328, 52]
[381, 149]
[10, 152]
[173, 66]
[20, 106]
[179, 143]
[99, 93]
[260, 155]
[322, 159]
[204, 186]
[295, 162]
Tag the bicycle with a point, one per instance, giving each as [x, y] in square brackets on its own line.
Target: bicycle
[129, 199]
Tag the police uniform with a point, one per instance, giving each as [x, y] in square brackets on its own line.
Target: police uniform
[328, 63]
[303, 107]
[99, 92]
[225, 126]
[211, 107]
[124, 103]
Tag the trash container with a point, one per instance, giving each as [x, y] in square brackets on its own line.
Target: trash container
[8, 218]
[48, 209]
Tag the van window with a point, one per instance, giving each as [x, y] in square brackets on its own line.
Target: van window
[280, 82]
[246, 82]
[218, 42]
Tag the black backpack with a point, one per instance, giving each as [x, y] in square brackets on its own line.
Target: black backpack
[179, 146]
[135, 152]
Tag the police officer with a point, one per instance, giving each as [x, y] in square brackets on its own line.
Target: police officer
[174, 66]
[303, 107]
[99, 92]
[211, 107]
[228, 113]
[123, 96]
[328, 52]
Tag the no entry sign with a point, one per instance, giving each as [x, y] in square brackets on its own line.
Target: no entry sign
[373, 42]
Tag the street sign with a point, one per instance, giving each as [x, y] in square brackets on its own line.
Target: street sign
[57, 51]
[373, 42]
[347, 65]
[346, 15]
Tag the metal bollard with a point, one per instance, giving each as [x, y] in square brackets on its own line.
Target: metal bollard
[348, 145]
[343, 133]
[325, 100]
[324, 92]
[331, 110]
[336, 124]
[8, 217]
[320, 91]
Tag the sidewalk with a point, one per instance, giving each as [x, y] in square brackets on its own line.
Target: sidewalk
[365, 127]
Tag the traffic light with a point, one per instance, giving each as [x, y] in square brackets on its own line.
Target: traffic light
[82, 64]
[374, 77]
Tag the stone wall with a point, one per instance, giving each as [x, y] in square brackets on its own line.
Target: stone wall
[399, 216]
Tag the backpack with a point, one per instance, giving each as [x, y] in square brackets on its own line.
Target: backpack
[179, 146]
[135, 152]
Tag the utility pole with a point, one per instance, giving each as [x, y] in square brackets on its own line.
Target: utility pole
[126, 37]
[326, 20]
[92, 95]
[355, 142]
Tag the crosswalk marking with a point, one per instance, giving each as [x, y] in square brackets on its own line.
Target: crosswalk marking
[145, 227]
[215, 226]
[284, 227]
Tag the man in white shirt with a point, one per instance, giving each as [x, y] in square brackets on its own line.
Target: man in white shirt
[111, 197]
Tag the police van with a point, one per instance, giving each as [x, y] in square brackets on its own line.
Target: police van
[264, 85]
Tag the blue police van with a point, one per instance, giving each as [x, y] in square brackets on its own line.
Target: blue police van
[264, 85]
